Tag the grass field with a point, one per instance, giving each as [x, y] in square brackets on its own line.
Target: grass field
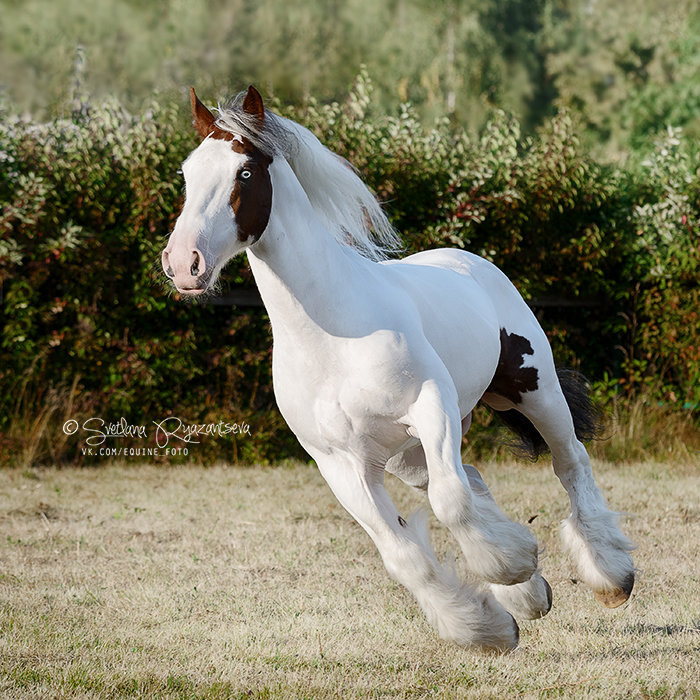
[136, 581]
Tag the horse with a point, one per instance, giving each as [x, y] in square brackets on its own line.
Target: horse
[379, 361]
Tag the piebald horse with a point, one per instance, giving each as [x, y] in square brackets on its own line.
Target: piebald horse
[378, 364]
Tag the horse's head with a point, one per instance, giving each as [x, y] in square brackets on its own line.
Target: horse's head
[228, 197]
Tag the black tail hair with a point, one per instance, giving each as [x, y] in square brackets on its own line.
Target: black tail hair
[589, 419]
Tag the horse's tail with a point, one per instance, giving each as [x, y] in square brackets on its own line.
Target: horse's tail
[588, 417]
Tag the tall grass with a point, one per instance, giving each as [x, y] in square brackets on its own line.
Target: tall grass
[35, 435]
[638, 429]
[635, 429]
[642, 429]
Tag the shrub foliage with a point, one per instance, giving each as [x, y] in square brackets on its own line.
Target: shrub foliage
[607, 256]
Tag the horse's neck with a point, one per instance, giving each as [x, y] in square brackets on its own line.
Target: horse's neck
[303, 274]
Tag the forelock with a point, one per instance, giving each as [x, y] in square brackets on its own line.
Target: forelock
[268, 136]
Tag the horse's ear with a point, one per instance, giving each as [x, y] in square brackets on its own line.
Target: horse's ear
[253, 103]
[202, 119]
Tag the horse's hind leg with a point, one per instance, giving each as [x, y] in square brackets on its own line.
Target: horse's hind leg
[591, 534]
[459, 612]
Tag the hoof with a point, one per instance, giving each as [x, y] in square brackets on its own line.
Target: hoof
[471, 618]
[505, 644]
[548, 590]
[498, 631]
[516, 632]
[617, 596]
[513, 567]
[525, 601]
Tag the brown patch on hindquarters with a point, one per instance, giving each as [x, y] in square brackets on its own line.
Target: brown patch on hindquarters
[511, 379]
[616, 597]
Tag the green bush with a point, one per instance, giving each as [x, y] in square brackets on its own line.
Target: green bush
[86, 205]
[666, 258]
[90, 329]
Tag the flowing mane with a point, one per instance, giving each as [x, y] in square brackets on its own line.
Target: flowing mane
[344, 204]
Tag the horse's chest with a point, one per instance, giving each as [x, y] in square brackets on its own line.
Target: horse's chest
[345, 388]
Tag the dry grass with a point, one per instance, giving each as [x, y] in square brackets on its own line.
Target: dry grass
[190, 582]
[640, 429]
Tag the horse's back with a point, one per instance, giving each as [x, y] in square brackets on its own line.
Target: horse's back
[500, 290]
[509, 308]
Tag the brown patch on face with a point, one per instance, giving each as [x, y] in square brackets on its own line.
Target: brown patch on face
[511, 379]
[251, 199]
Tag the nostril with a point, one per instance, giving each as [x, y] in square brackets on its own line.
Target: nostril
[166, 266]
[197, 266]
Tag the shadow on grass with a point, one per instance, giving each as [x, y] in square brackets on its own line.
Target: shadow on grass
[641, 628]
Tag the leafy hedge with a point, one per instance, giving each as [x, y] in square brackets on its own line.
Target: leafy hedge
[609, 256]
[90, 329]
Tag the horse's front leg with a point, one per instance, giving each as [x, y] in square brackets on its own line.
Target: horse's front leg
[497, 549]
[529, 600]
[458, 611]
